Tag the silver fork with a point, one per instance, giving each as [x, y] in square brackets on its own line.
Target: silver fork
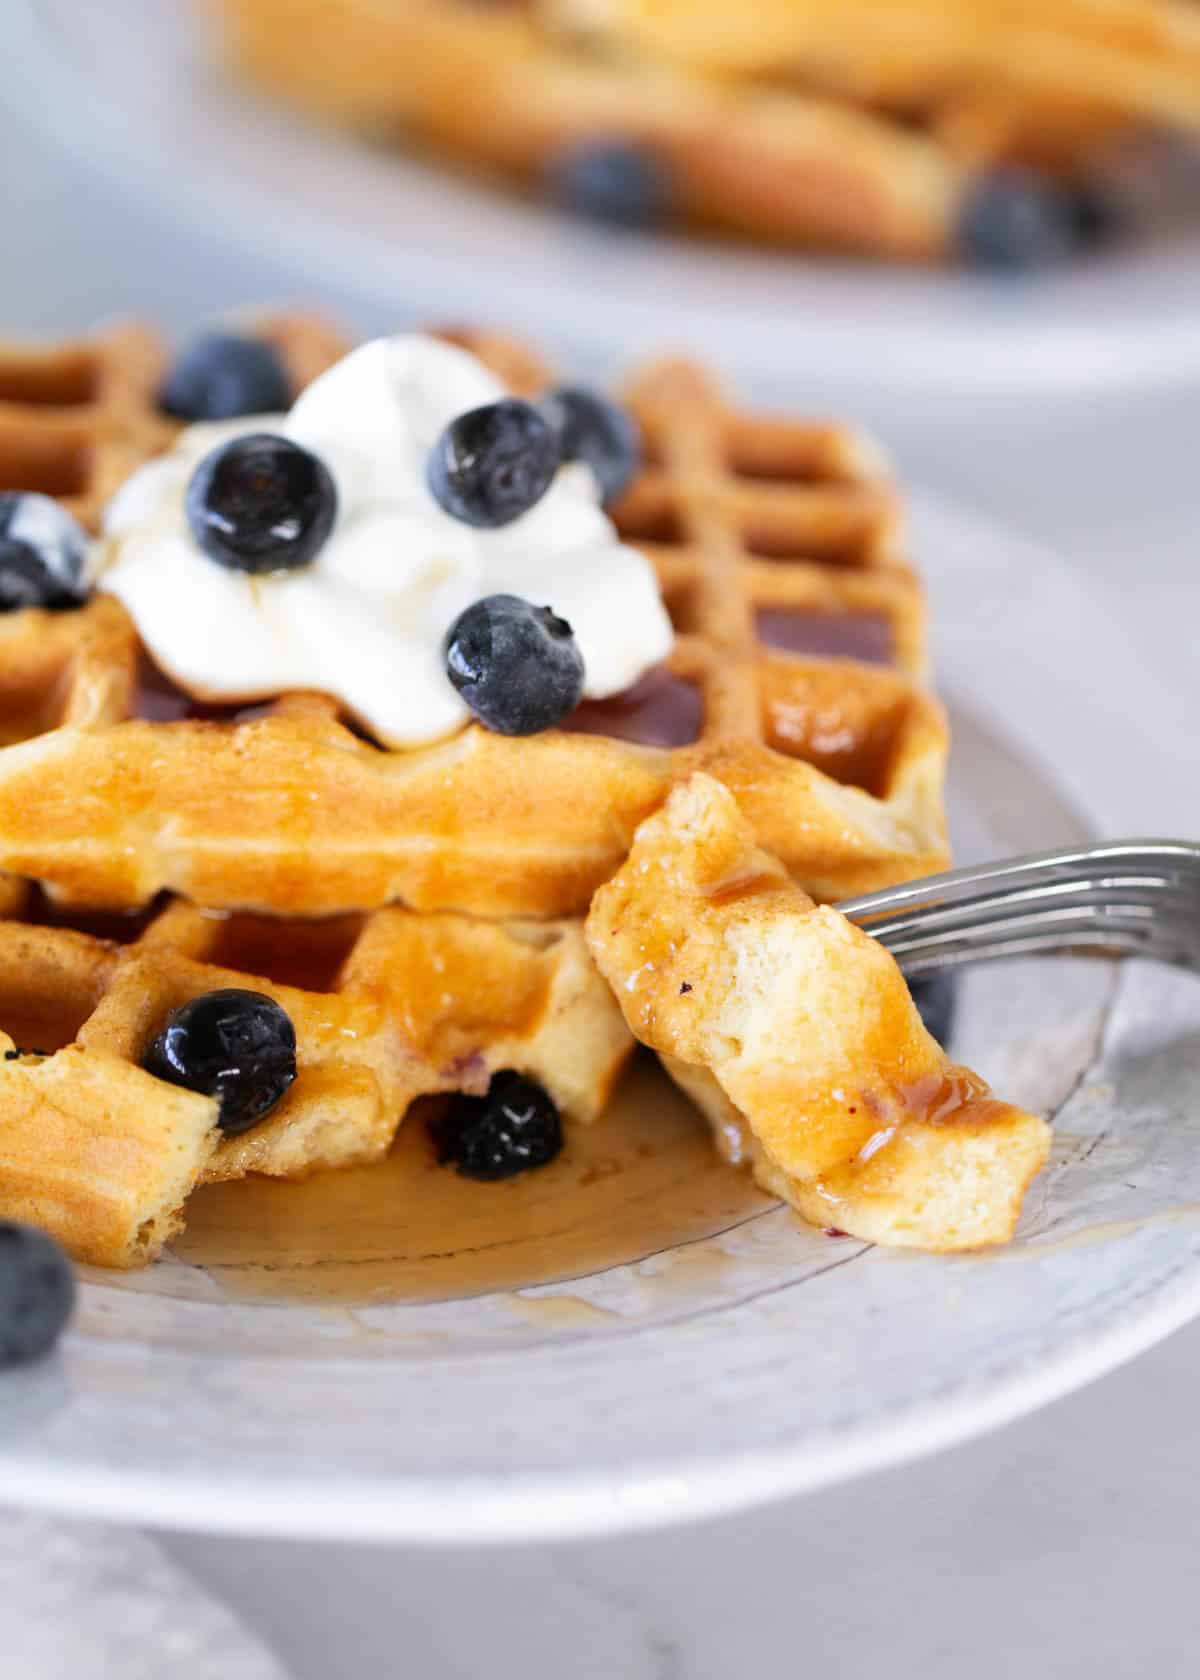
[1137, 898]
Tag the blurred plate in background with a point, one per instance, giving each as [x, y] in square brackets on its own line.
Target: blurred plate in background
[132, 87]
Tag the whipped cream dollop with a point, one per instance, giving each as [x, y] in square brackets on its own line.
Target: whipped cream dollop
[365, 621]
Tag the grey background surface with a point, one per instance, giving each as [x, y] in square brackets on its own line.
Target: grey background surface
[1064, 1546]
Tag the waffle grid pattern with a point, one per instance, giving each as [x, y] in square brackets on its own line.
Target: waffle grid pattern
[387, 1008]
[287, 808]
[77, 418]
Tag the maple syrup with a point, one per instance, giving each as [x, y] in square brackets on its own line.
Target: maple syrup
[865, 636]
[643, 1178]
[741, 887]
[157, 699]
[660, 710]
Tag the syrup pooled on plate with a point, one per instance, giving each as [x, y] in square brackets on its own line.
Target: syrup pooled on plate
[643, 1178]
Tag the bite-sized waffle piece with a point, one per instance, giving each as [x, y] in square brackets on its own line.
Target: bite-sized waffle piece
[795, 678]
[386, 1008]
[862, 127]
[795, 1033]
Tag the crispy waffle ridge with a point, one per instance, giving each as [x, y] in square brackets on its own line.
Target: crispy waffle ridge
[760, 528]
[859, 126]
[387, 1008]
[76, 418]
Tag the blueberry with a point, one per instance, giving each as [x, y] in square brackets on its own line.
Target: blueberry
[493, 464]
[220, 376]
[236, 1046]
[261, 504]
[592, 429]
[43, 553]
[515, 1127]
[1013, 220]
[613, 181]
[936, 999]
[517, 666]
[37, 1293]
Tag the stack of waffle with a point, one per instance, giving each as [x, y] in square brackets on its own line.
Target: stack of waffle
[860, 124]
[418, 914]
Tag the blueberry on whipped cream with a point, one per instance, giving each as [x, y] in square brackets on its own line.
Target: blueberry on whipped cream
[237, 1046]
[261, 504]
[43, 553]
[493, 464]
[365, 619]
[517, 666]
[591, 428]
[220, 376]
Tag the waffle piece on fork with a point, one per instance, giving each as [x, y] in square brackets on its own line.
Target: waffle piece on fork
[794, 1032]
[796, 678]
[386, 1008]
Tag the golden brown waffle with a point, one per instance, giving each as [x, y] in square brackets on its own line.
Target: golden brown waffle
[860, 126]
[386, 1007]
[795, 1034]
[77, 418]
[753, 523]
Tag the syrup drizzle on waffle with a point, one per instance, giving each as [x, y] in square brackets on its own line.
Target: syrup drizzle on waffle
[796, 677]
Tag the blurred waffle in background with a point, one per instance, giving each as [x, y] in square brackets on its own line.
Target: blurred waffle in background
[990, 131]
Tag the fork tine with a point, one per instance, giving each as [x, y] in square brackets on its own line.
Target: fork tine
[1156, 897]
[1116, 933]
[1129, 857]
[919, 964]
[1134, 897]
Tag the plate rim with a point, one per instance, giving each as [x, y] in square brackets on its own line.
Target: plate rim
[495, 1508]
[585, 1505]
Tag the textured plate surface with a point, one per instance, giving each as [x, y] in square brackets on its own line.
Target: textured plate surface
[130, 87]
[765, 1360]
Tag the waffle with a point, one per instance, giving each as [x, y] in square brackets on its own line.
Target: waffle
[77, 418]
[792, 168]
[1136, 58]
[387, 1008]
[114, 787]
[794, 1032]
[860, 127]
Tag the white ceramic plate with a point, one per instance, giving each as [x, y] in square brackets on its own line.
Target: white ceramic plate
[129, 87]
[764, 1360]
